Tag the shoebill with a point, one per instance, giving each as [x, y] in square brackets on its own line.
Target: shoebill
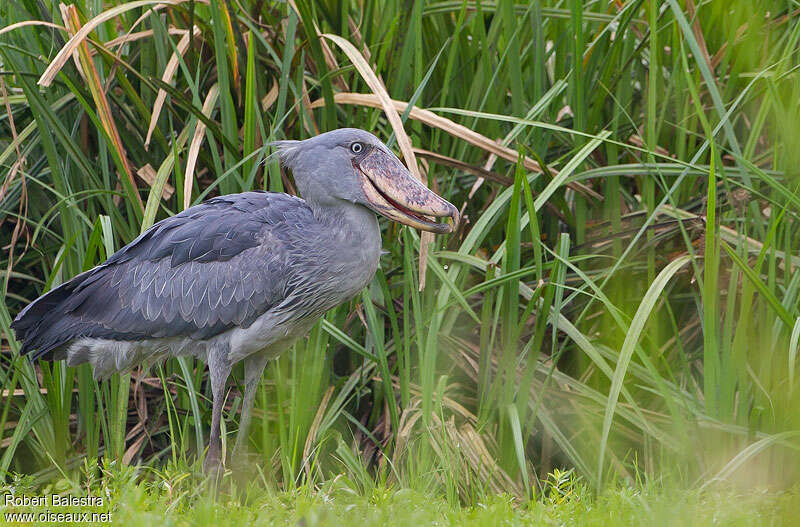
[238, 277]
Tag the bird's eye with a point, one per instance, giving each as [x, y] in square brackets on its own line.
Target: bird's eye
[356, 148]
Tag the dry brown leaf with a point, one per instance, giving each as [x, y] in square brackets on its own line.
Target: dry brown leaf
[148, 174]
[194, 146]
[465, 167]
[457, 130]
[356, 33]
[19, 392]
[330, 59]
[698, 33]
[378, 99]
[133, 37]
[306, 102]
[431, 119]
[271, 96]
[312, 432]
[80, 36]
[31, 23]
[92, 78]
[403, 141]
[169, 73]
[127, 457]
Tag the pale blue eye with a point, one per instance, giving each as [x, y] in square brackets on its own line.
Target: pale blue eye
[356, 148]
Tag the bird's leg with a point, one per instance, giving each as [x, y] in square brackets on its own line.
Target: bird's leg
[253, 369]
[219, 368]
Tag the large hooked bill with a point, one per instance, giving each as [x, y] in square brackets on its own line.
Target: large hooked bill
[395, 193]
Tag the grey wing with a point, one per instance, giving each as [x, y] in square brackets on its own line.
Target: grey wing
[197, 299]
[213, 267]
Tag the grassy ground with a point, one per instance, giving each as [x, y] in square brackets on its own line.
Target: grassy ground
[621, 299]
[563, 502]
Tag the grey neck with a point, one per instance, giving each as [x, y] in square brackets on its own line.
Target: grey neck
[352, 225]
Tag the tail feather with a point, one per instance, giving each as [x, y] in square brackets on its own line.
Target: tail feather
[44, 325]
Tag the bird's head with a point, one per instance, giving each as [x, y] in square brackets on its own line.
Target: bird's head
[352, 165]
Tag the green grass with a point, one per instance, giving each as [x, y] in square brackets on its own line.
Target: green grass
[177, 500]
[621, 299]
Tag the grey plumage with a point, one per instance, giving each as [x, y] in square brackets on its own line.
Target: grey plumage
[206, 270]
[238, 277]
[195, 274]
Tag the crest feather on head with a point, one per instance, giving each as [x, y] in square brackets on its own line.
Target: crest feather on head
[285, 151]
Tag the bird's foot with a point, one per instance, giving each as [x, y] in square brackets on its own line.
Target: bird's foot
[212, 464]
[244, 467]
[243, 461]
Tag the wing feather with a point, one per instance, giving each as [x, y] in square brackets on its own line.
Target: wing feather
[212, 267]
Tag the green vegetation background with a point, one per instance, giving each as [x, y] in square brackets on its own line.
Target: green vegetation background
[618, 309]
